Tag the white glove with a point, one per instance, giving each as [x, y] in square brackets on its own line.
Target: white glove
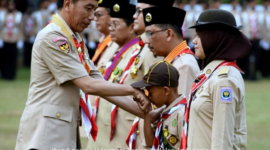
[1, 43]
[20, 44]
[92, 44]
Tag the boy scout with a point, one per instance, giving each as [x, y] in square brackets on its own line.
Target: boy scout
[138, 67]
[164, 36]
[161, 83]
[60, 68]
[139, 28]
[12, 36]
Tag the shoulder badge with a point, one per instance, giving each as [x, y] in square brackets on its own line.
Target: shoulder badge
[226, 94]
[63, 45]
[224, 71]
[174, 122]
[173, 140]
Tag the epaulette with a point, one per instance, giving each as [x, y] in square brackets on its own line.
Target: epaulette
[224, 71]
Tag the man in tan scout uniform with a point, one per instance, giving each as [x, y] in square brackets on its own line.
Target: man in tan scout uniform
[164, 37]
[12, 37]
[138, 68]
[139, 27]
[60, 68]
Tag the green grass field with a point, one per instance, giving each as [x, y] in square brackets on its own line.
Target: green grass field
[13, 96]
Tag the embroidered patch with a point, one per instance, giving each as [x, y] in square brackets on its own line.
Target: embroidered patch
[226, 94]
[174, 122]
[63, 45]
[173, 140]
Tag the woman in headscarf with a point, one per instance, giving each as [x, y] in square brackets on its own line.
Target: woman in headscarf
[215, 116]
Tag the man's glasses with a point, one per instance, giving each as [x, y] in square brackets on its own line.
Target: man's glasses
[138, 11]
[150, 34]
[112, 25]
[98, 14]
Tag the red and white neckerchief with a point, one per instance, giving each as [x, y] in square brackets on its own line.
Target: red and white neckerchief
[135, 53]
[86, 109]
[253, 25]
[156, 143]
[29, 26]
[10, 24]
[196, 85]
[132, 135]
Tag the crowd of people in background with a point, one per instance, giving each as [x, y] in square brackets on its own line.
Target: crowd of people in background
[19, 29]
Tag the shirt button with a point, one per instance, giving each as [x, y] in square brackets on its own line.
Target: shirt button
[58, 115]
[138, 132]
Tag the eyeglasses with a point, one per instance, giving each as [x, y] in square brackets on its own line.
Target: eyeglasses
[98, 14]
[138, 11]
[150, 34]
[113, 25]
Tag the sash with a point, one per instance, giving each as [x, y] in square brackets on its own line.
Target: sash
[132, 135]
[177, 51]
[118, 56]
[196, 85]
[87, 116]
[157, 144]
[101, 48]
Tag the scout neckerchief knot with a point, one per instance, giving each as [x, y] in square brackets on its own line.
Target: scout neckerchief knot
[101, 49]
[157, 143]
[182, 48]
[196, 85]
[135, 52]
[89, 124]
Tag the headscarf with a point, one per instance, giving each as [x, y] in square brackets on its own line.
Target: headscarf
[223, 44]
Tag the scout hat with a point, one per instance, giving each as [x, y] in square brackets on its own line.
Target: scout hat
[160, 74]
[216, 17]
[122, 9]
[104, 3]
[163, 15]
[163, 3]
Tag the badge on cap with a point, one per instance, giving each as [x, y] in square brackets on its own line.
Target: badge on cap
[226, 94]
[116, 8]
[148, 17]
[100, 1]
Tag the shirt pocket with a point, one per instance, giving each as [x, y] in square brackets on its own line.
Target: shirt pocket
[57, 112]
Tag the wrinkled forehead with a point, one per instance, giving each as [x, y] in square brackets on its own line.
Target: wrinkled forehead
[116, 20]
[151, 28]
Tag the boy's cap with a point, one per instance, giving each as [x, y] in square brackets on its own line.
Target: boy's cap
[159, 74]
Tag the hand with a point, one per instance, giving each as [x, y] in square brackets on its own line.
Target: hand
[155, 114]
[143, 101]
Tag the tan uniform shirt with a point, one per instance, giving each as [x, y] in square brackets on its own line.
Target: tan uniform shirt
[266, 27]
[174, 124]
[124, 119]
[51, 116]
[189, 70]
[29, 28]
[12, 30]
[215, 123]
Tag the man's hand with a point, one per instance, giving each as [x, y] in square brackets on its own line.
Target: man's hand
[143, 101]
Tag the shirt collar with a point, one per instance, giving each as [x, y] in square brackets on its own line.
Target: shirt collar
[143, 37]
[173, 103]
[211, 66]
[75, 35]
[174, 53]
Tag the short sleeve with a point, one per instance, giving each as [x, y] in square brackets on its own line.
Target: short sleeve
[62, 63]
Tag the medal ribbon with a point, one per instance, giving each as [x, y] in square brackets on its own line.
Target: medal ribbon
[101, 49]
[157, 139]
[118, 56]
[196, 85]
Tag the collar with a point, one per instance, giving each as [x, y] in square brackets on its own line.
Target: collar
[143, 37]
[182, 46]
[103, 38]
[173, 103]
[211, 66]
[75, 35]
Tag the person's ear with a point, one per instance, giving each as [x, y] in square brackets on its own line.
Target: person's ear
[166, 90]
[131, 28]
[66, 5]
[170, 35]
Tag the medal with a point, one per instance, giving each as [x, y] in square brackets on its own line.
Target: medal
[134, 72]
[101, 70]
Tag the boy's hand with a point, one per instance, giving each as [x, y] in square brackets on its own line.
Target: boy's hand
[143, 102]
